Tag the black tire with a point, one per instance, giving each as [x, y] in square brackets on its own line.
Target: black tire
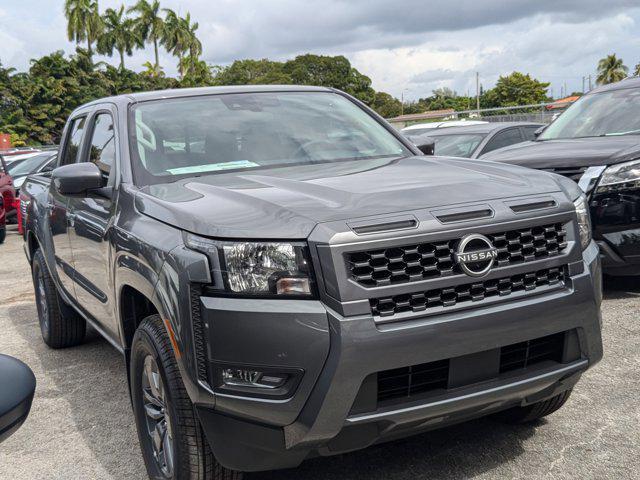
[179, 433]
[3, 234]
[534, 411]
[61, 325]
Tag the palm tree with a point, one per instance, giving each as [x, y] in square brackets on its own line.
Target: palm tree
[152, 70]
[177, 37]
[194, 44]
[149, 23]
[611, 69]
[119, 35]
[83, 21]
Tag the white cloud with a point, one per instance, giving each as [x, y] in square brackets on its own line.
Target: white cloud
[405, 47]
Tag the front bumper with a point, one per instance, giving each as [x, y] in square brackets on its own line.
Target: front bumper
[338, 354]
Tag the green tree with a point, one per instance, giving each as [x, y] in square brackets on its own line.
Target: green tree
[386, 105]
[149, 24]
[636, 70]
[119, 34]
[83, 22]
[253, 72]
[194, 46]
[152, 70]
[516, 89]
[611, 69]
[329, 71]
[176, 37]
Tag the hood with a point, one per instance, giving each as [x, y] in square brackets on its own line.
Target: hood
[289, 202]
[575, 152]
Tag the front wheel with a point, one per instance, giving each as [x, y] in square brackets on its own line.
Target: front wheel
[172, 442]
[60, 325]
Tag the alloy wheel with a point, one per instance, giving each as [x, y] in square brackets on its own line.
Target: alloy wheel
[43, 309]
[157, 417]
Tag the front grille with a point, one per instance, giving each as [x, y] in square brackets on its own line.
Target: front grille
[521, 355]
[574, 173]
[410, 381]
[409, 263]
[470, 292]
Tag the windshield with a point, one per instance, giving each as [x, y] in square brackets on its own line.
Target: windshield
[28, 166]
[457, 145]
[601, 114]
[193, 136]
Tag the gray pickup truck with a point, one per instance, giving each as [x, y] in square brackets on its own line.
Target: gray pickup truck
[286, 276]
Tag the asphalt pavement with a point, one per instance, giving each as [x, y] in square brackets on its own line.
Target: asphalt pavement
[81, 425]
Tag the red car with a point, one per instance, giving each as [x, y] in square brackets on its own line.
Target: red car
[3, 228]
[7, 191]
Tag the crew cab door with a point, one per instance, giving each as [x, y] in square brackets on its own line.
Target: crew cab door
[92, 214]
[57, 212]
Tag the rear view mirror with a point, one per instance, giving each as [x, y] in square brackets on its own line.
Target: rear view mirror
[425, 144]
[19, 385]
[77, 178]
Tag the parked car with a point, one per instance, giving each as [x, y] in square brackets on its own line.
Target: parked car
[7, 190]
[420, 128]
[306, 282]
[596, 142]
[476, 140]
[42, 162]
[3, 221]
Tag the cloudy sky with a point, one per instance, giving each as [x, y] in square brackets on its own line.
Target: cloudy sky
[410, 46]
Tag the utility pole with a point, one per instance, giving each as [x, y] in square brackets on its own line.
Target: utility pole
[583, 83]
[478, 92]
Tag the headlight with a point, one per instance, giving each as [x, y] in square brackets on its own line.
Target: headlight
[624, 176]
[257, 268]
[584, 224]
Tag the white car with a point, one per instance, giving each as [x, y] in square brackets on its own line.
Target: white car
[420, 128]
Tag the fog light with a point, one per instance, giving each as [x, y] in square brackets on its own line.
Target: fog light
[240, 377]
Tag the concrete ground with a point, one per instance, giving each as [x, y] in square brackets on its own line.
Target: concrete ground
[81, 425]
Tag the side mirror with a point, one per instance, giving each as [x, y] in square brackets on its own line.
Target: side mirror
[15, 400]
[537, 133]
[77, 178]
[425, 144]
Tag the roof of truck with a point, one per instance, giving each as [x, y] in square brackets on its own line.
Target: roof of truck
[128, 98]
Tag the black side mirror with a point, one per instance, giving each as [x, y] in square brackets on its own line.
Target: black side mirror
[77, 178]
[425, 144]
[16, 395]
[537, 133]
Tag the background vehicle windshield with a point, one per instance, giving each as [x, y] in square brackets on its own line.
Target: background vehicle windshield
[601, 114]
[217, 133]
[457, 145]
[28, 166]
